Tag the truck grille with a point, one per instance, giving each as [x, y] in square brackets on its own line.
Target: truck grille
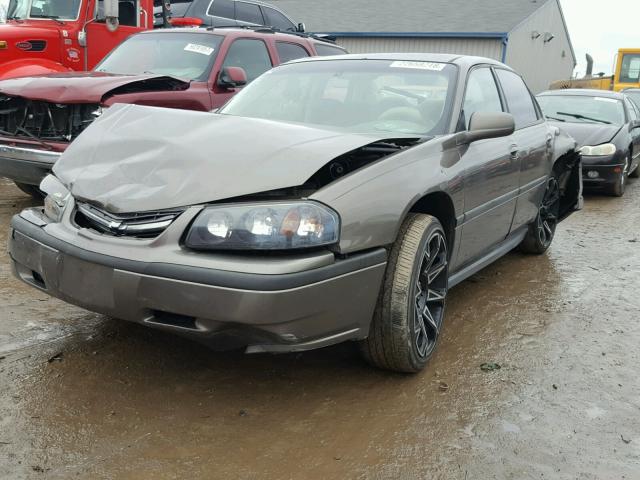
[32, 45]
[138, 225]
[20, 117]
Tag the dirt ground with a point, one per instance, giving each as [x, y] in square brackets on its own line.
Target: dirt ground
[85, 396]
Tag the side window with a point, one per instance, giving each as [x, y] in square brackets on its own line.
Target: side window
[251, 55]
[633, 114]
[222, 8]
[127, 12]
[249, 12]
[326, 50]
[290, 51]
[277, 20]
[518, 98]
[481, 95]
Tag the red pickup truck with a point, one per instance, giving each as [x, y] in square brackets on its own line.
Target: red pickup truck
[189, 68]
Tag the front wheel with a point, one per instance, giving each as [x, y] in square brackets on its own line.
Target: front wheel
[543, 229]
[618, 188]
[410, 310]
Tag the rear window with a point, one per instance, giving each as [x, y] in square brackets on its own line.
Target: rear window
[325, 50]
[290, 51]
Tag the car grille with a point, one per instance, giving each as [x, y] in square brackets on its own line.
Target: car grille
[20, 117]
[138, 225]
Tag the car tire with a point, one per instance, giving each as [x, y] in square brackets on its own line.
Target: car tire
[542, 230]
[32, 190]
[618, 188]
[636, 171]
[408, 317]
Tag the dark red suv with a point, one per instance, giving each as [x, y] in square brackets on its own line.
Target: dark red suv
[190, 68]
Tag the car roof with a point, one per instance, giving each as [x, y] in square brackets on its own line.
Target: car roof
[258, 32]
[461, 60]
[585, 92]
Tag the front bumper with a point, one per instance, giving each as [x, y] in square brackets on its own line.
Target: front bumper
[224, 309]
[600, 171]
[26, 165]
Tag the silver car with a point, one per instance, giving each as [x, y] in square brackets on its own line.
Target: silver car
[333, 199]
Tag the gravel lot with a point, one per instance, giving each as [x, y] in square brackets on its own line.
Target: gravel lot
[86, 396]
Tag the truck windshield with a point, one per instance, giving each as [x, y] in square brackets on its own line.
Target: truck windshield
[630, 72]
[359, 96]
[56, 9]
[582, 109]
[185, 55]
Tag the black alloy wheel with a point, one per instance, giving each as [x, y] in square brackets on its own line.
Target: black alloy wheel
[408, 318]
[548, 213]
[430, 288]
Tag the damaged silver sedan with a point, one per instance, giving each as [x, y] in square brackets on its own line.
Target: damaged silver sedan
[333, 199]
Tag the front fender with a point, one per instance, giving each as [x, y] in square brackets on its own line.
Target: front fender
[30, 68]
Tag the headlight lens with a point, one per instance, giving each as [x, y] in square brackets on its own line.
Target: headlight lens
[56, 199]
[599, 150]
[264, 226]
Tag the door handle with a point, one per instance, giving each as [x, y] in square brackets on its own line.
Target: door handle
[513, 151]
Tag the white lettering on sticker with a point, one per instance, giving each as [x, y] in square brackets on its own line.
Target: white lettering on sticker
[194, 47]
[436, 67]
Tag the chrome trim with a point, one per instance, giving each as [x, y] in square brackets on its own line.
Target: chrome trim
[128, 225]
[28, 154]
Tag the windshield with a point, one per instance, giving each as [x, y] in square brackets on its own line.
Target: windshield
[360, 96]
[184, 55]
[582, 109]
[630, 72]
[58, 9]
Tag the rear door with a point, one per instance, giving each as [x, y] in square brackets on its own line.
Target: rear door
[491, 174]
[532, 142]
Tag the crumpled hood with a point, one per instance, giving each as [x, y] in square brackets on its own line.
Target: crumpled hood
[136, 158]
[589, 133]
[73, 87]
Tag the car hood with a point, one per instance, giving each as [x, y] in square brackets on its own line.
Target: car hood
[589, 133]
[136, 158]
[89, 87]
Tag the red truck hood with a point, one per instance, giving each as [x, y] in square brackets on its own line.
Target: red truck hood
[89, 87]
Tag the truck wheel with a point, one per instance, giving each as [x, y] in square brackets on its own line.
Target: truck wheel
[408, 318]
[618, 188]
[543, 228]
[32, 190]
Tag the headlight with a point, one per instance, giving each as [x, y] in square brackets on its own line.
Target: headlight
[264, 226]
[599, 150]
[56, 199]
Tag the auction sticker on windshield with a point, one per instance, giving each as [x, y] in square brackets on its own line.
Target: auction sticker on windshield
[437, 67]
[194, 47]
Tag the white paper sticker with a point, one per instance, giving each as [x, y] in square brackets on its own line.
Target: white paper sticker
[436, 67]
[194, 47]
[610, 100]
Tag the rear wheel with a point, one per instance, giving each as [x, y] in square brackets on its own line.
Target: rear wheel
[408, 318]
[32, 190]
[618, 188]
[543, 229]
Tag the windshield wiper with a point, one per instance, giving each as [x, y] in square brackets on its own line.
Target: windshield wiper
[584, 117]
[55, 18]
[555, 118]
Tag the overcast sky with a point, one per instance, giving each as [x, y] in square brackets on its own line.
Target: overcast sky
[600, 28]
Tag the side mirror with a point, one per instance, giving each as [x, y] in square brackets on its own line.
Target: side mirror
[485, 125]
[301, 28]
[232, 77]
[111, 13]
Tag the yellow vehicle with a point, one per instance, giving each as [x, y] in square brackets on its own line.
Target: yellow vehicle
[627, 74]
